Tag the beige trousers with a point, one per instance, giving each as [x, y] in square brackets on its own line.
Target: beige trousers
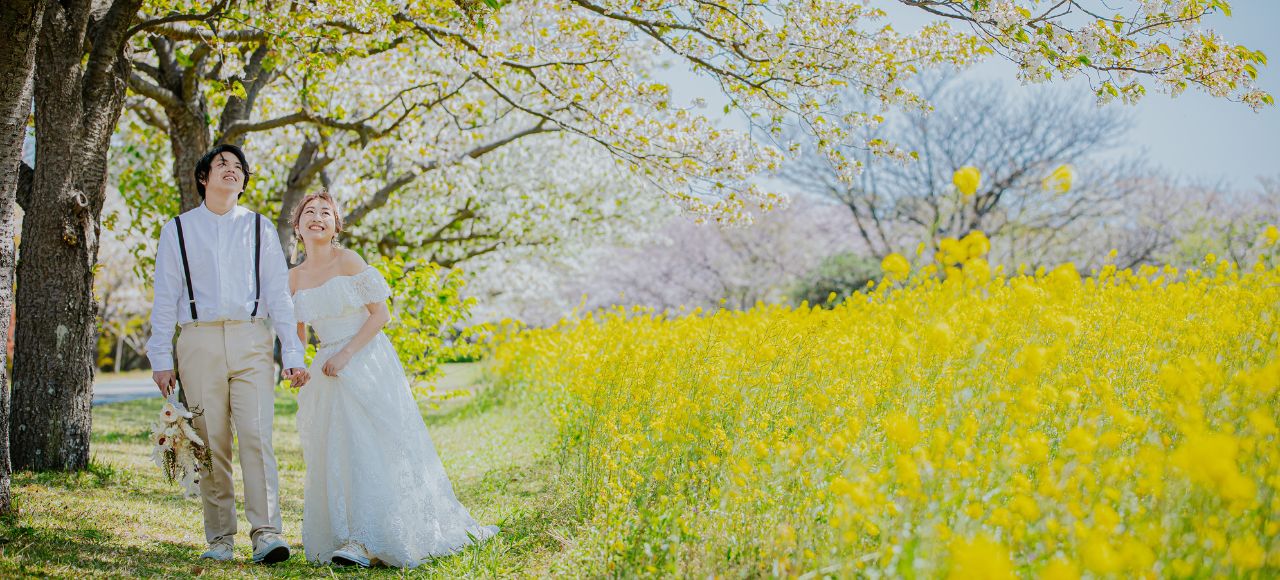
[227, 373]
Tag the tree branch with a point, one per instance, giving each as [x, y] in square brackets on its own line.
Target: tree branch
[140, 107]
[383, 195]
[361, 127]
[180, 32]
[173, 18]
[153, 91]
[238, 129]
[104, 59]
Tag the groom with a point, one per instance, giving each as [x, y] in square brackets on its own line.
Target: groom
[221, 275]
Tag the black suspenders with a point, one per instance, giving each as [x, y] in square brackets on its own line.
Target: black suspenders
[186, 269]
[257, 266]
[257, 263]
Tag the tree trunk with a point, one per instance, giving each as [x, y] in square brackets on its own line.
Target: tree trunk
[187, 110]
[119, 354]
[78, 102]
[20, 24]
[309, 164]
[189, 138]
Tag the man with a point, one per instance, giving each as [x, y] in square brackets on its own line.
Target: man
[220, 274]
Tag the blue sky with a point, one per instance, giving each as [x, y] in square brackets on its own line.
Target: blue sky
[1194, 136]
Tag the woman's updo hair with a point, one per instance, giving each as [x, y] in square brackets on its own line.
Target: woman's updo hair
[302, 205]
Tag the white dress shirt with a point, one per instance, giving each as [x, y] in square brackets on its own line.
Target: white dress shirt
[220, 255]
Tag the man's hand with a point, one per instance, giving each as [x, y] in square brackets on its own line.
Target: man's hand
[297, 377]
[165, 380]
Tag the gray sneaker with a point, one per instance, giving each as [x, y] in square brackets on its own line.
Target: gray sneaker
[271, 549]
[351, 554]
[220, 551]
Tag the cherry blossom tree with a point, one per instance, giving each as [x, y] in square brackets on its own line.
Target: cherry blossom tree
[395, 94]
[78, 88]
[678, 264]
[1200, 219]
[411, 88]
[20, 24]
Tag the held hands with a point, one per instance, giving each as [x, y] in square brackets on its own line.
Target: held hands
[165, 380]
[336, 363]
[297, 377]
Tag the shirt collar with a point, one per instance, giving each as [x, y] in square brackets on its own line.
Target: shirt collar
[204, 211]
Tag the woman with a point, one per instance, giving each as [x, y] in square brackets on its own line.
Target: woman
[375, 488]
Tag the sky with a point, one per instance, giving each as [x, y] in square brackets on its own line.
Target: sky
[1193, 136]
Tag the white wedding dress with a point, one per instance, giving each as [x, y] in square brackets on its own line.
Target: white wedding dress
[373, 475]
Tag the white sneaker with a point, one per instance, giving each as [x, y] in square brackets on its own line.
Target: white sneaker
[271, 549]
[351, 553]
[220, 551]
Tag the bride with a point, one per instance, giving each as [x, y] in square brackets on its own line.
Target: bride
[375, 489]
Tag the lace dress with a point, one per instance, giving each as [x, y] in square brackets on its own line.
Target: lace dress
[373, 475]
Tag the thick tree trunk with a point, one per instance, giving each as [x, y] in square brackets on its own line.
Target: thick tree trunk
[20, 24]
[189, 138]
[78, 101]
[175, 87]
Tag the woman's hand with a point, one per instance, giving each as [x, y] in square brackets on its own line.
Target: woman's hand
[336, 363]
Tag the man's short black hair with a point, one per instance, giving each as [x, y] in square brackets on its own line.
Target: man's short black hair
[206, 163]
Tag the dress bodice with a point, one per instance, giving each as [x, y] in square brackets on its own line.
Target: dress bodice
[336, 309]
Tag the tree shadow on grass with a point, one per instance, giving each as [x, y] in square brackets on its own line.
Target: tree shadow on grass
[97, 474]
[81, 548]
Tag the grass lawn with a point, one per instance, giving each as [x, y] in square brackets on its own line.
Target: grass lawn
[121, 518]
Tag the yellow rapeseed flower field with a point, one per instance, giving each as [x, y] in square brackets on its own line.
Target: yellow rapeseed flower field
[963, 422]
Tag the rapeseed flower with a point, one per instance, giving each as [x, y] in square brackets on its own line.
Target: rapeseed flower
[967, 180]
[959, 422]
